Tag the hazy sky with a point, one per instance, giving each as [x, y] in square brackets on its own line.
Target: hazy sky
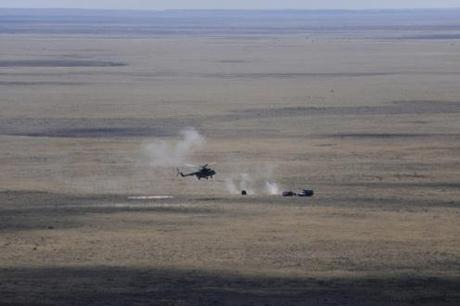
[231, 4]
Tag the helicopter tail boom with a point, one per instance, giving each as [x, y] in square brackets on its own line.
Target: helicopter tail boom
[180, 173]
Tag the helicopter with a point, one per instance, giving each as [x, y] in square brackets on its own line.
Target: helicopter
[203, 172]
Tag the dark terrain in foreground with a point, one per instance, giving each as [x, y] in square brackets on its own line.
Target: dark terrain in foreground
[124, 286]
[42, 223]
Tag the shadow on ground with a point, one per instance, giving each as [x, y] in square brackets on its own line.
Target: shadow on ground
[123, 286]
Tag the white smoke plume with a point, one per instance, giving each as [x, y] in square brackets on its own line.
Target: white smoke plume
[272, 188]
[260, 181]
[163, 155]
[246, 183]
[230, 186]
[243, 182]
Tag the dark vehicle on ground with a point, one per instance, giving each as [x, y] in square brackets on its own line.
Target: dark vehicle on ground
[306, 193]
[203, 172]
[303, 194]
[288, 194]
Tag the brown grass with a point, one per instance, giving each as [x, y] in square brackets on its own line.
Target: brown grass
[383, 227]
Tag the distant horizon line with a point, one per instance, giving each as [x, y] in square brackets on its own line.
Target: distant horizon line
[237, 10]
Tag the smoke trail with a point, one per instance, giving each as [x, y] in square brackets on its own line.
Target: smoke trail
[246, 183]
[272, 188]
[260, 181]
[230, 186]
[162, 154]
[242, 182]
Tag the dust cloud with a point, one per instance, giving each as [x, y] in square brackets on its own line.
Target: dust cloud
[258, 180]
[166, 155]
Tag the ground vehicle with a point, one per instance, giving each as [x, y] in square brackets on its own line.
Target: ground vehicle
[303, 194]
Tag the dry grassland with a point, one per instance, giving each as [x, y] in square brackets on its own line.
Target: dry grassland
[372, 125]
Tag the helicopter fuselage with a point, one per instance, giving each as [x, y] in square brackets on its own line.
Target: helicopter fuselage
[202, 173]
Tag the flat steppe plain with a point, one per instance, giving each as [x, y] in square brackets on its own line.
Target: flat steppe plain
[372, 125]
